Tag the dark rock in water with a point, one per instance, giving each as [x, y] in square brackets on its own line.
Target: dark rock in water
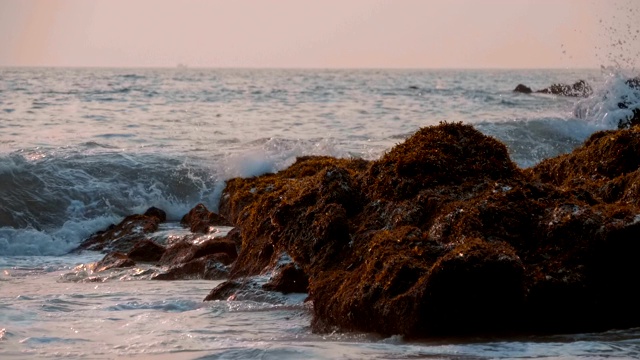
[444, 235]
[414, 87]
[124, 236]
[289, 279]
[184, 252]
[114, 260]
[224, 290]
[200, 219]
[523, 89]
[154, 211]
[146, 251]
[209, 267]
[578, 89]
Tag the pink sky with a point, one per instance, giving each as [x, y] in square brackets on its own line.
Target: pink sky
[320, 34]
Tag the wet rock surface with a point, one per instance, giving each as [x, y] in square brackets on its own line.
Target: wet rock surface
[445, 235]
[195, 256]
[123, 236]
[200, 220]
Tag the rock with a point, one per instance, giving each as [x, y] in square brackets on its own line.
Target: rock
[289, 279]
[124, 236]
[445, 236]
[224, 290]
[523, 89]
[154, 211]
[200, 220]
[114, 260]
[183, 252]
[448, 154]
[602, 167]
[578, 89]
[209, 267]
[146, 251]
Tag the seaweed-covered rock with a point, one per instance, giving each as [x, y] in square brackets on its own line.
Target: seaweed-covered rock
[605, 166]
[125, 235]
[448, 154]
[200, 220]
[444, 235]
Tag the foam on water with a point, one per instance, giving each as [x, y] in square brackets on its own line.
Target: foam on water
[603, 109]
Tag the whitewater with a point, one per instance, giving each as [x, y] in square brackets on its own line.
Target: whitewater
[82, 148]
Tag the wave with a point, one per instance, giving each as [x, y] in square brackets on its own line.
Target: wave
[613, 101]
[50, 202]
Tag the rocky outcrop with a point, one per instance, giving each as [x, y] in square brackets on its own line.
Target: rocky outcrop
[578, 89]
[444, 235]
[195, 256]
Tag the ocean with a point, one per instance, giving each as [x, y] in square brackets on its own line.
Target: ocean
[82, 148]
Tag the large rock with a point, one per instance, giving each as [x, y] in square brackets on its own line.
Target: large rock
[444, 235]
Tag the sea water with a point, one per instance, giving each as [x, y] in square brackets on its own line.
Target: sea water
[82, 148]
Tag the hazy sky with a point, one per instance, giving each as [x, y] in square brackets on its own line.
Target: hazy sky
[320, 33]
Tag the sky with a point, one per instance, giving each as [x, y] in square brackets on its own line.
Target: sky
[321, 33]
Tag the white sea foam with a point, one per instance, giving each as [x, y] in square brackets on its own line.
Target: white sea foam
[602, 110]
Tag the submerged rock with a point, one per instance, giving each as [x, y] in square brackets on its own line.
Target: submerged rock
[444, 235]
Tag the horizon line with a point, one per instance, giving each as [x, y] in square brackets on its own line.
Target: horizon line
[187, 67]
